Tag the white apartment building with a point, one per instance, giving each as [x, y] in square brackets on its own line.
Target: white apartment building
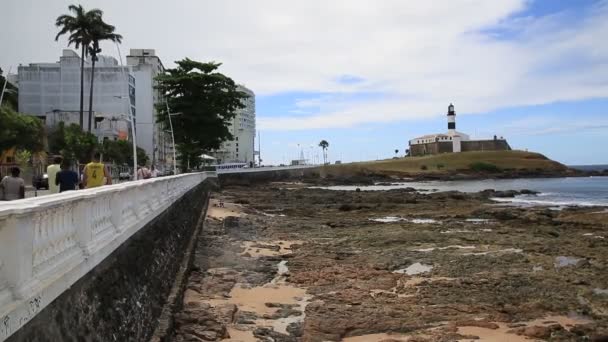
[151, 136]
[241, 149]
[52, 90]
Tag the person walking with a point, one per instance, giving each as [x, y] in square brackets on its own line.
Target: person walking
[96, 173]
[154, 172]
[143, 172]
[51, 172]
[66, 179]
[12, 187]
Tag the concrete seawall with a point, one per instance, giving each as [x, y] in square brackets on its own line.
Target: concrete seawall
[264, 176]
[122, 298]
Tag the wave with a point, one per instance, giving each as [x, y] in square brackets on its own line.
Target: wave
[556, 202]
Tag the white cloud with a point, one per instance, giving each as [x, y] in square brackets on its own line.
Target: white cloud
[419, 54]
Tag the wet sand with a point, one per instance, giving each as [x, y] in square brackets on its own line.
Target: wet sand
[298, 264]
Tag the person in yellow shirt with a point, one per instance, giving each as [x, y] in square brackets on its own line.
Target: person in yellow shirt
[51, 172]
[96, 173]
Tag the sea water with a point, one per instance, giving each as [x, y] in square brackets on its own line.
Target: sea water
[566, 191]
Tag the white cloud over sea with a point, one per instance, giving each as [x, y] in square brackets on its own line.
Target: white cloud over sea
[359, 61]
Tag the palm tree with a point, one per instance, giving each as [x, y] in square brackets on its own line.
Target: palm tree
[396, 151]
[324, 145]
[99, 31]
[78, 26]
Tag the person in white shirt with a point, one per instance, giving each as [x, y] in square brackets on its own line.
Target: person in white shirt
[51, 172]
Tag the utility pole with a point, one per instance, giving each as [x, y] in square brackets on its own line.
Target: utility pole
[5, 82]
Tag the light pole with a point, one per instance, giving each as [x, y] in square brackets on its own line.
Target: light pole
[172, 135]
[129, 114]
[4, 86]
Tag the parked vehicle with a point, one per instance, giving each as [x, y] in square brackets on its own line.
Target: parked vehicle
[125, 176]
[41, 181]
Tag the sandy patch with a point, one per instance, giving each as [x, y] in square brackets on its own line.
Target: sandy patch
[378, 338]
[493, 335]
[237, 335]
[219, 213]
[501, 334]
[258, 249]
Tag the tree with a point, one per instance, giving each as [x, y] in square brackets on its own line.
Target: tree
[396, 152]
[56, 139]
[78, 26]
[324, 145]
[79, 145]
[11, 93]
[120, 152]
[207, 101]
[99, 31]
[20, 131]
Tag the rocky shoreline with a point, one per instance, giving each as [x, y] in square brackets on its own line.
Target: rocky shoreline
[284, 262]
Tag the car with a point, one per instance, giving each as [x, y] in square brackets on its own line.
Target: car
[125, 176]
[41, 181]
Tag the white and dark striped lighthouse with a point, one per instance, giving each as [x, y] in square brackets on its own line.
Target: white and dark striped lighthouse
[451, 120]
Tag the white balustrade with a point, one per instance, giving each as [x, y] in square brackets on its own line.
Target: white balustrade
[48, 243]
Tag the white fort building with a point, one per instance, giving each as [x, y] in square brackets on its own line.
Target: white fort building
[453, 141]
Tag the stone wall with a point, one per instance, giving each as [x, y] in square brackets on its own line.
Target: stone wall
[264, 176]
[121, 299]
[465, 146]
[485, 145]
[431, 148]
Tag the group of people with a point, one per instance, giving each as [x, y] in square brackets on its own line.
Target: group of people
[61, 177]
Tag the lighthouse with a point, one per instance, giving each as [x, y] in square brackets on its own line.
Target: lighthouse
[451, 120]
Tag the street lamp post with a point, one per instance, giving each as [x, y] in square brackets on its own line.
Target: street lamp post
[172, 135]
[4, 86]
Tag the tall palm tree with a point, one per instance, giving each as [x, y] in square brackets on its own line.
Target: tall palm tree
[99, 31]
[324, 145]
[78, 25]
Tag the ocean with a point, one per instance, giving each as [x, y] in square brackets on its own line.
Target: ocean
[568, 191]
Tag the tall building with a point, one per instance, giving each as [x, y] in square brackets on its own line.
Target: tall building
[151, 136]
[241, 148]
[52, 90]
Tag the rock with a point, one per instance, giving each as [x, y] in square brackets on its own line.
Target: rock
[475, 323]
[536, 331]
[528, 192]
[506, 194]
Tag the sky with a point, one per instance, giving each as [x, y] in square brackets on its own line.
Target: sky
[367, 76]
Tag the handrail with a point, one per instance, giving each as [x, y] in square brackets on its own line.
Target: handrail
[47, 243]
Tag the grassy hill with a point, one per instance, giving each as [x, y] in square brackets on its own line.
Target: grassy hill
[464, 162]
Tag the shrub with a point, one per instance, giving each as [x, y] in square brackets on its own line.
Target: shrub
[484, 167]
[423, 167]
[440, 166]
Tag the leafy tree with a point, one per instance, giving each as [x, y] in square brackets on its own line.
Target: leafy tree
[56, 139]
[396, 152]
[120, 152]
[99, 31]
[79, 26]
[207, 101]
[11, 93]
[324, 145]
[79, 145]
[20, 131]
